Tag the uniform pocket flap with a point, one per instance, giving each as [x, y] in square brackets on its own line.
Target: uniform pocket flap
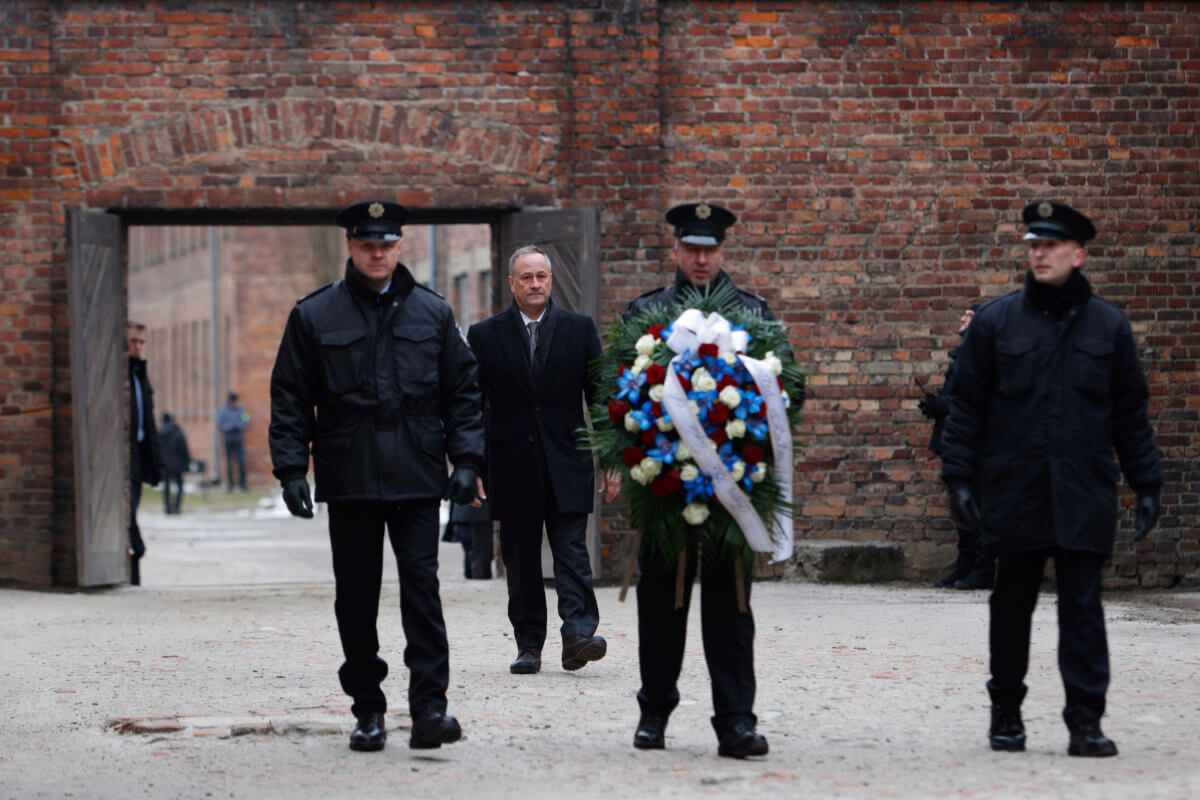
[342, 338]
[1095, 347]
[414, 333]
[1016, 345]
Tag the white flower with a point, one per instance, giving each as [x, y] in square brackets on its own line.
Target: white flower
[650, 467]
[689, 473]
[638, 474]
[695, 407]
[729, 357]
[645, 345]
[773, 362]
[640, 363]
[786, 401]
[735, 428]
[631, 424]
[757, 473]
[682, 454]
[656, 392]
[695, 513]
[730, 396]
[702, 381]
[664, 424]
[738, 470]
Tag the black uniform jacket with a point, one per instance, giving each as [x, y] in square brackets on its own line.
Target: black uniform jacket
[669, 294]
[382, 385]
[938, 406]
[145, 457]
[1038, 407]
[531, 423]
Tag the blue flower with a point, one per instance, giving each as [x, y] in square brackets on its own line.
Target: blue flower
[630, 385]
[699, 489]
[751, 403]
[756, 427]
[664, 449]
[642, 416]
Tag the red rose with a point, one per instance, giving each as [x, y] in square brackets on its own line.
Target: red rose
[617, 409]
[655, 331]
[762, 411]
[728, 380]
[649, 434]
[718, 437]
[718, 414]
[632, 456]
[655, 374]
[709, 350]
[666, 485]
[684, 382]
[752, 454]
[656, 409]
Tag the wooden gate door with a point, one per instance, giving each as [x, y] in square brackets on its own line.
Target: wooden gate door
[571, 239]
[96, 304]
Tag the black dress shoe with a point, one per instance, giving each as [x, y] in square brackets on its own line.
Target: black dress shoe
[528, 662]
[431, 732]
[1089, 741]
[579, 649]
[742, 741]
[370, 733]
[1007, 731]
[651, 732]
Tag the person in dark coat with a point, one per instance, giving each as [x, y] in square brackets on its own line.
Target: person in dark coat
[374, 374]
[728, 633]
[975, 568]
[471, 527]
[1048, 385]
[533, 371]
[145, 458]
[175, 458]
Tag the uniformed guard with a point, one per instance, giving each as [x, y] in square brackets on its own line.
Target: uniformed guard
[374, 374]
[727, 632]
[1048, 385]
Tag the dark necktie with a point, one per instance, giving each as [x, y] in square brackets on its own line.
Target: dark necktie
[533, 337]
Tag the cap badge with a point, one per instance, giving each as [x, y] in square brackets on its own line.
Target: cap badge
[1044, 209]
[375, 210]
[703, 211]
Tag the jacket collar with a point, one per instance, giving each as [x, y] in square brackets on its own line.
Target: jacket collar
[1058, 300]
[400, 288]
[719, 280]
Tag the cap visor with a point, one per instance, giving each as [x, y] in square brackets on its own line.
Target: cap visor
[703, 241]
[1044, 235]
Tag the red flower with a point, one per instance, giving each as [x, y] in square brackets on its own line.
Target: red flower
[718, 414]
[655, 331]
[752, 454]
[649, 434]
[617, 409]
[780, 382]
[728, 380]
[709, 350]
[632, 456]
[666, 485]
[718, 437]
[656, 409]
[684, 382]
[655, 374]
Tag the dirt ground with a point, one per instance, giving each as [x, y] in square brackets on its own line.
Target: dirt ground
[218, 679]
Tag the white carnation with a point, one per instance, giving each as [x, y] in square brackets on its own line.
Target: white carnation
[738, 470]
[689, 473]
[640, 363]
[695, 513]
[631, 424]
[683, 453]
[730, 396]
[664, 424]
[729, 357]
[645, 345]
[772, 361]
[702, 381]
[735, 428]
[638, 474]
[757, 473]
[656, 392]
[650, 468]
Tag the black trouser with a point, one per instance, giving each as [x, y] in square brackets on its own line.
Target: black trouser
[172, 479]
[1082, 645]
[728, 639]
[356, 535]
[481, 551]
[137, 548]
[235, 454]
[521, 549]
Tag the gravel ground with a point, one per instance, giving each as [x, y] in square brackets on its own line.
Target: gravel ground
[200, 684]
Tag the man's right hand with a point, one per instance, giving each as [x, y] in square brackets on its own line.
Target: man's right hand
[964, 509]
[297, 498]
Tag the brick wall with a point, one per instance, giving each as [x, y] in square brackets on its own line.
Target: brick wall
[877, 155]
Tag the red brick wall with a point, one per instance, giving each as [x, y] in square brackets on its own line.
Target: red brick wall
[877, 155]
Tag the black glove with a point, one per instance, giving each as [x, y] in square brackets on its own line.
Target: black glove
[1148, 510]
[925, 405]
[297, 498]
[964, 509]
[462, 488]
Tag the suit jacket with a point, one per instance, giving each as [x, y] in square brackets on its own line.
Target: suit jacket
[531, 423]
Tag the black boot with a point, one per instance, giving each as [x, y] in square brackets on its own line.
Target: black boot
[966, 559]
[982, 574]
[651, 732]
[1089, 741]
[742, 741]
[370, 733]
[431, 731]
[1007, 731]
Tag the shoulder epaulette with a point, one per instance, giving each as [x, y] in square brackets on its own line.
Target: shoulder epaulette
[315, 292]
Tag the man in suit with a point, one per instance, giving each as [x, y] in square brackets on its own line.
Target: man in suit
[145, 458]
[533, 374]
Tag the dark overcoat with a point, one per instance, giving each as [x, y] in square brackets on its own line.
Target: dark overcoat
[383, 386]
[175, 455]
[1038, 407]
[532, 424]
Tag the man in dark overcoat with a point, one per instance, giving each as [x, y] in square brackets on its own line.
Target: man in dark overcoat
[175, 459]
[1048, 386]
[145, 457]
[534, 359]
[728, 633]
[374, 374]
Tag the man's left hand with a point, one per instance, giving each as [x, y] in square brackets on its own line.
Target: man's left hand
[463, 486]
[1148, 510]
[610, 484]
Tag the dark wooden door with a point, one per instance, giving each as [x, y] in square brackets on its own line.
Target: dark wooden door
[96, 304]
[571, 238]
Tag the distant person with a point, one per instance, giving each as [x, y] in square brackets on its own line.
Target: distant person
[145, 459]
[232, 420]
[471, 527]
[175, 459]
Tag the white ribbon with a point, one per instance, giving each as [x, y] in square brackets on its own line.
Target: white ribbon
[690, 330]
